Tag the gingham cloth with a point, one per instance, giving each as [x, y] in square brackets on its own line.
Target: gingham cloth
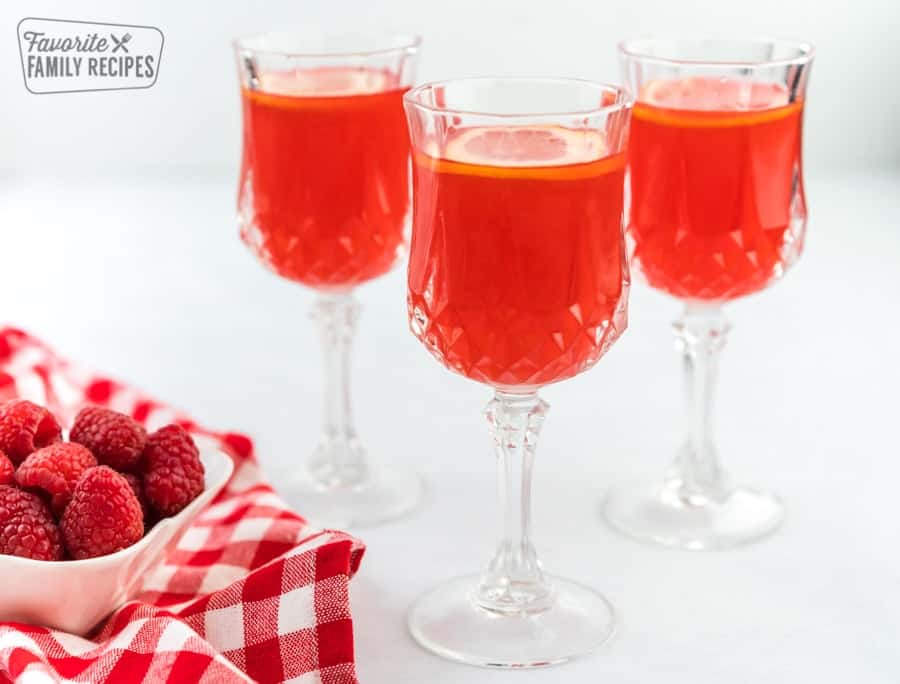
[250, 593]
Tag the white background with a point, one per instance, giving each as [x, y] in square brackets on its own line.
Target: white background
[191, 116]
[118, 245]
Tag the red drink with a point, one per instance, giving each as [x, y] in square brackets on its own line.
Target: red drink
[713, 165]
[325, 174]
[517, 274]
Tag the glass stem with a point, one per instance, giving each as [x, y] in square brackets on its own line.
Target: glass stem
[697, 475]
[513, 582]
[340, 459]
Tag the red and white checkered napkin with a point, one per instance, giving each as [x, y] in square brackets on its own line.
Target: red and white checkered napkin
[251, 593]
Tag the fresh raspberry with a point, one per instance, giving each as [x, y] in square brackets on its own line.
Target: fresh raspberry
[114, 438]
[55, 469]
[173, 473]
[25, 427]
[135, 483]
[27, 527]
[103, 516]
[7, 470]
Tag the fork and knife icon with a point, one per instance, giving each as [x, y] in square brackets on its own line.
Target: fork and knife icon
[120, 42]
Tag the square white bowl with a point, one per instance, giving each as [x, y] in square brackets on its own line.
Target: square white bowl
[75, 595]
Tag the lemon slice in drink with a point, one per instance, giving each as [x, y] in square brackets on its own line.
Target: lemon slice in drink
[713, 94]
[525, 146]
[326, 82]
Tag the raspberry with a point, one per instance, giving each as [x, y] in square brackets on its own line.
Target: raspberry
[114, 438]
[7, 469]
[173, 473]
[27, 527]
[135, 483]
[103, 516]
[25, 427]
[55, 469]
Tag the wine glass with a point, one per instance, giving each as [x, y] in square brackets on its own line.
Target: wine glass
[324, 202]
[717, 212]
[517, 279]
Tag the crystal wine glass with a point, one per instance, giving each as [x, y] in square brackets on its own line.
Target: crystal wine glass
[517, 279]
[324, 201]
[717, 212]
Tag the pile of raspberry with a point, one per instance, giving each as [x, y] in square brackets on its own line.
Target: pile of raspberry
[95, 494]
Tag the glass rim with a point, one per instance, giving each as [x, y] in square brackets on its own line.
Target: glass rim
[627, 99]
[403, 42]
[806, 51]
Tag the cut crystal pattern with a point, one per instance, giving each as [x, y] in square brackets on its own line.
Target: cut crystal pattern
[512, 348]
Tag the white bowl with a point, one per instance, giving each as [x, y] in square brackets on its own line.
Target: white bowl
[75, 595]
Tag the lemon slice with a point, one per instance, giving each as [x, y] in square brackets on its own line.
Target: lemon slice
[326, 82]
[525, 146]
[713, 94]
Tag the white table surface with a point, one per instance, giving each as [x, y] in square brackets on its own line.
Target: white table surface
[144, 278]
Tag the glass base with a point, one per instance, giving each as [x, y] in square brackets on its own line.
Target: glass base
[447, 622]
[656, 513]
[385, 495]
